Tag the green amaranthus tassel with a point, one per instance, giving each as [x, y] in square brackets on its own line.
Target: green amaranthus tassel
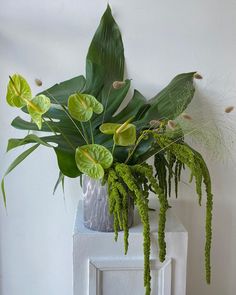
[126, 175]
[194, 161]
[147, 170]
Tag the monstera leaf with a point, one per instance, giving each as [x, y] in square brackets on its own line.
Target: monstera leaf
[81, 106]
[18, 91]
[123, 134]
[92, 159]
[37, 107]
[31, 138]
[60, 92]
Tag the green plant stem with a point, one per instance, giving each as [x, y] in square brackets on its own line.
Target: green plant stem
[113, 148]
[69, 116]
[84, 131]
[133, 150]
[136, 145]
[91, 131]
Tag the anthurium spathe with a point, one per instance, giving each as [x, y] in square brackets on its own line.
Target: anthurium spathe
[92, 159]
[18, 91]
[38, 106]
[82, 106]
[123, 134]
[19, 95]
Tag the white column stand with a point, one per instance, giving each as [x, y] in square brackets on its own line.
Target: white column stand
[101, 268]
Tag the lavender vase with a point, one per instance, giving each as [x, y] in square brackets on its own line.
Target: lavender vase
[96, 208]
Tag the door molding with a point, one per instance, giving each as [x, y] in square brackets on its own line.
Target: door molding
[98, 266]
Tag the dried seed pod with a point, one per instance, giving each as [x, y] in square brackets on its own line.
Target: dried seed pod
[171, 124]
[38, 82]
[197, 76]
[118, 84]
[229, 109]
[186, 116]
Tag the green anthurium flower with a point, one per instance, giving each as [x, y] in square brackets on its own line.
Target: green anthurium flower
[123, 134]
[109, 128]
[125, 137]
[18, 91]
[19, 95]
[38, 106]
[81, 106]
[92, 159]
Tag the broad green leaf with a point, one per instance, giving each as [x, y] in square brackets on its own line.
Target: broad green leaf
[13, 165]
[126, 137]
[38, 106]
[109, 128]
[60, 92]
[81, 106]
[63, 126]
[64, 152]
[94, 85]
[111, 103]
[92, 159]
[31, 138]
[172, 100]
[18, 91]
[105, 58]
[66, 162]
[132, 108]
[145, 150]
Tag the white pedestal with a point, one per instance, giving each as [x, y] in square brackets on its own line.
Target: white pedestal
[101, 268]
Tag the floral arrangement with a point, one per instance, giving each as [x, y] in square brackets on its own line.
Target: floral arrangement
[80, 122]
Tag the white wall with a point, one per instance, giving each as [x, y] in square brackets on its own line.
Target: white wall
[49, 40]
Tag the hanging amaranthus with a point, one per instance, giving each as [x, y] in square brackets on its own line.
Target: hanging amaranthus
[133, 182]
[125, 182]
[198, 168]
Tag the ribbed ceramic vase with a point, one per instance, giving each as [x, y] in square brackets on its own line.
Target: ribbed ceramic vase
[96, 207]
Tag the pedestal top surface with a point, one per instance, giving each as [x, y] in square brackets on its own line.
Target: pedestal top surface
[173, 224]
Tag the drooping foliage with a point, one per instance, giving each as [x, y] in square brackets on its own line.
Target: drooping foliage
[194, 161]
[135, 181]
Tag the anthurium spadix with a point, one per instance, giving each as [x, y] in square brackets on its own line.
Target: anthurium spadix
[82, 106]
[123, 134]
[92, 159]
[19, 95]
